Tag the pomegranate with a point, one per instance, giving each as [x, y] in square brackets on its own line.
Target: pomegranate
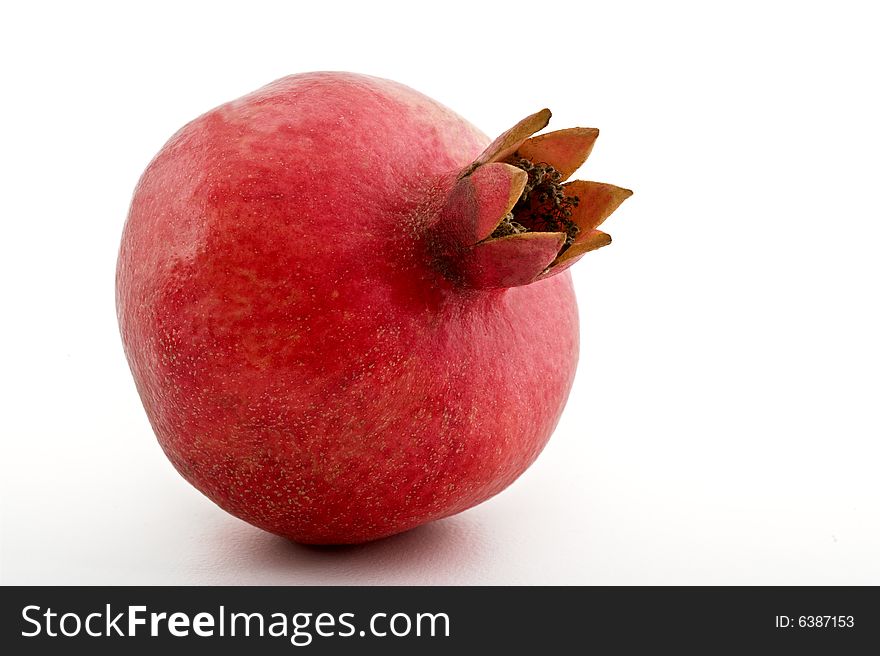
[346, 312]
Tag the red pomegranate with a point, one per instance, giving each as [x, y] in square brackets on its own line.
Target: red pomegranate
[346, 312]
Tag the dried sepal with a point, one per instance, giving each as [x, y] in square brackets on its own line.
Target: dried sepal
[596, 202]
[481, 200]
[507, 143]
[496, 188]
[564, 150]
[593, 240]
[590, 242]
[510, 261]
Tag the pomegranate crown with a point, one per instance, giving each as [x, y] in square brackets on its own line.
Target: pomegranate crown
[517, 219]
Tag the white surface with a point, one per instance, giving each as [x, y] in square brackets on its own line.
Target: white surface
[724, 424]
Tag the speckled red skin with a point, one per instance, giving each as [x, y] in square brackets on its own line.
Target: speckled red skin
[303, 357]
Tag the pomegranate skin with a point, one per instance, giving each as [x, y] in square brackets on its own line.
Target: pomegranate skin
[304, 357]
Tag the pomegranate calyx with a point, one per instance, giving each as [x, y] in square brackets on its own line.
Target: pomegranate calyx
[542, 205]
[512, 215]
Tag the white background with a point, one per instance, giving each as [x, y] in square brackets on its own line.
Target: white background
[724, 423]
